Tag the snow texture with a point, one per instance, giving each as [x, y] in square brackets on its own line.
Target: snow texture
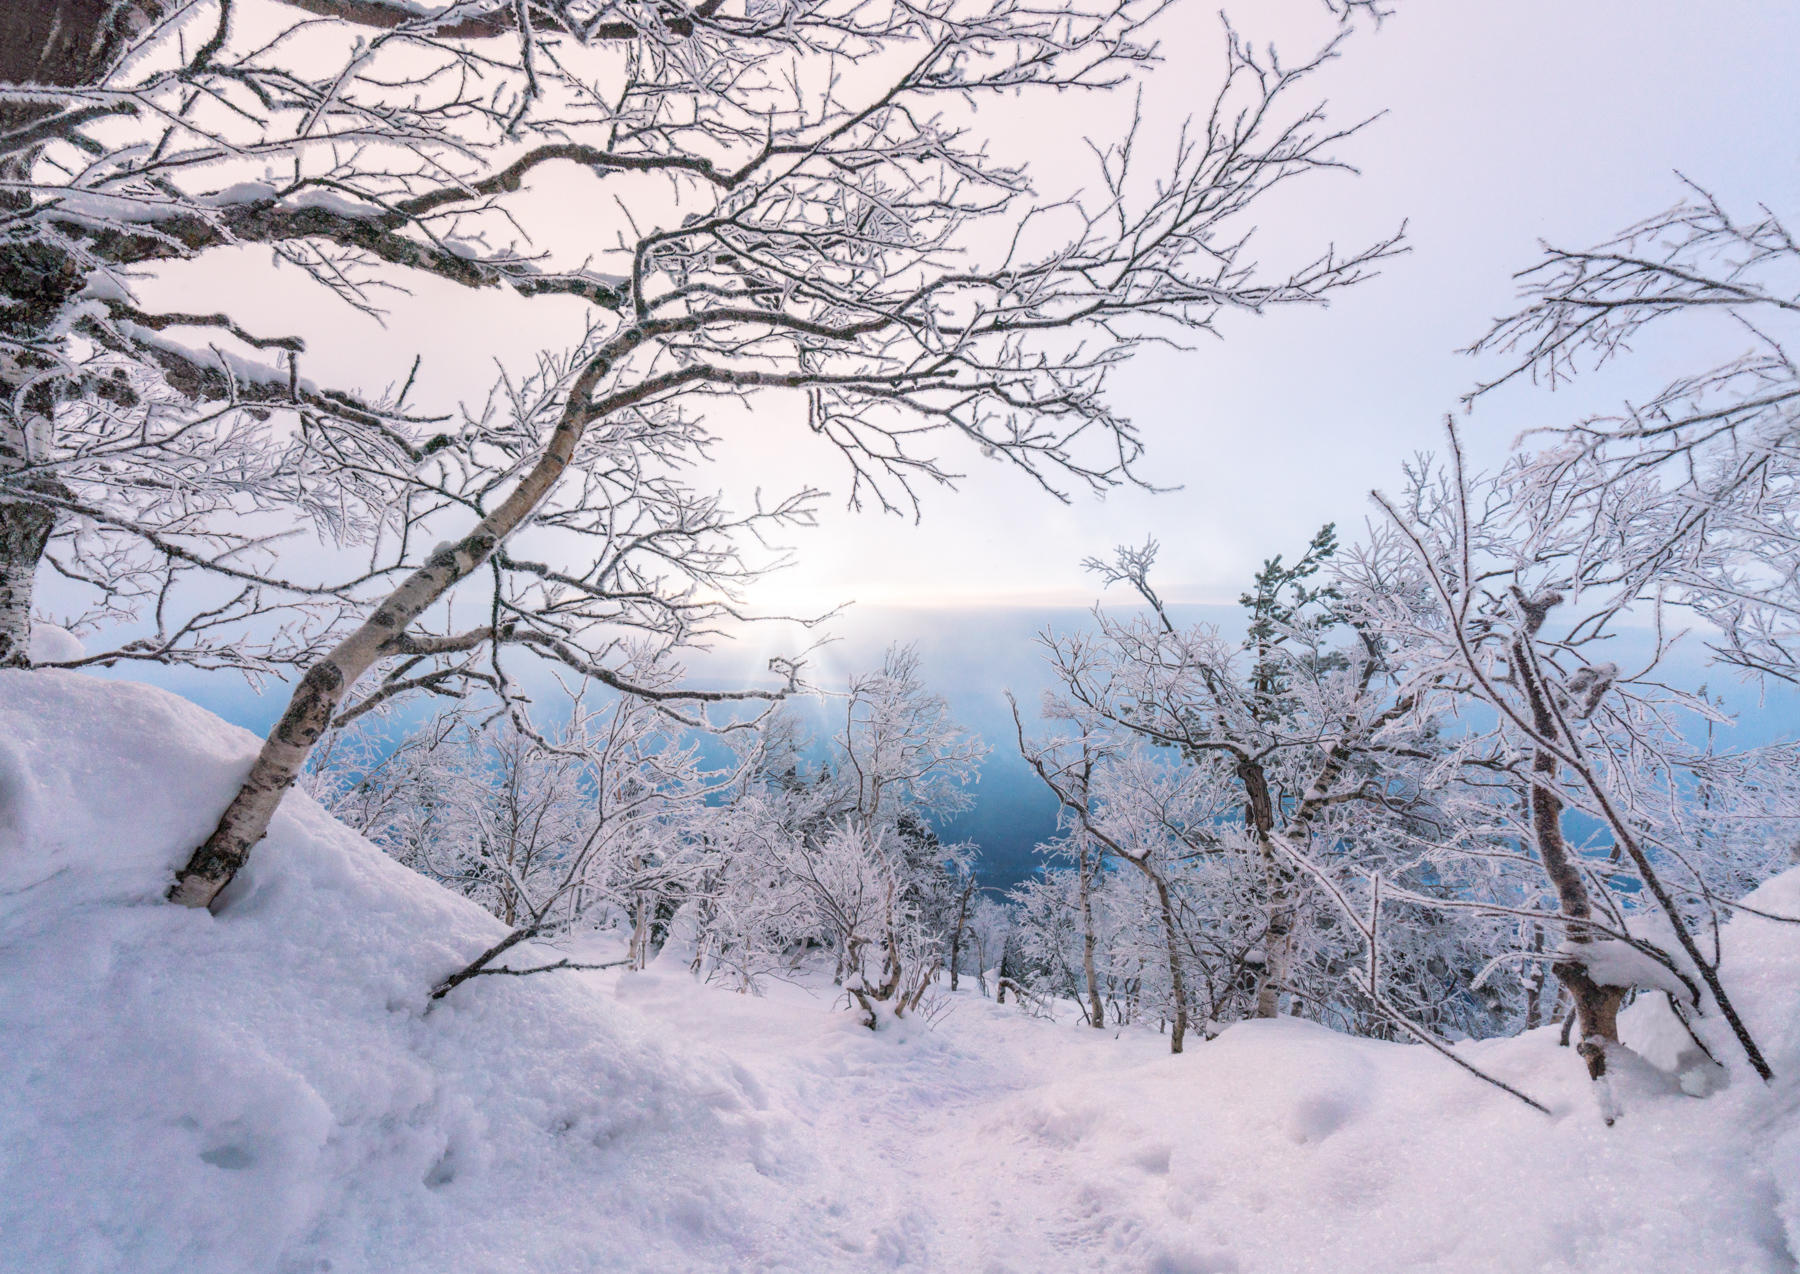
[1611, 962]
[51, 644]
[263, 1090]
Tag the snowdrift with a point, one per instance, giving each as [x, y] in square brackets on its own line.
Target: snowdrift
[262, 1090]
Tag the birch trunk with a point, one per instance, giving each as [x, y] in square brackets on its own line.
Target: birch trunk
[1087, 864]
[1177, 982]
[246, 820]
[24, 534]
[1096, 1013]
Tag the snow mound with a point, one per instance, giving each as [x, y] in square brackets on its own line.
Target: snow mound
[262, 1090]
[51, 644]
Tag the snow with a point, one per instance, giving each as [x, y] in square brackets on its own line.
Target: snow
[1613, 962]
[242, 192]
[263, 1089]
[100, 208]
[51, 644]
[337, 203]
[248, 371]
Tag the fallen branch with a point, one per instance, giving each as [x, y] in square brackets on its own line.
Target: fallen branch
[480, 966]
[445, 988]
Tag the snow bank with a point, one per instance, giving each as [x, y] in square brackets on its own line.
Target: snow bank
[262, 1090]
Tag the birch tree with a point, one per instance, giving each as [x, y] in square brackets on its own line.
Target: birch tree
[852, 245]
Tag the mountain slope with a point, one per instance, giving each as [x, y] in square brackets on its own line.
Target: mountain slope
[263, 1090]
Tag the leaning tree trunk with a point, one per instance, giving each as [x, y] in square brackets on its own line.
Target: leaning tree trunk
[246, 820]
[1596, 1006]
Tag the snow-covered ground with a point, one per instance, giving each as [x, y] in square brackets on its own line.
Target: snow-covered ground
[262, 1090]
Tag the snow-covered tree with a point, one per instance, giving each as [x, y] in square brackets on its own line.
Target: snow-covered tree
[1511, 607]
[603, 823]
[888, 893]
[899, 758]
[1714, 455]
[1301, 722]
[855, 245]
[840, 852]
[486, 812]
[751, 913]
[154, 455]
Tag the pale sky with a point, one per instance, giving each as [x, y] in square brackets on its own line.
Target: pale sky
[1506, 121]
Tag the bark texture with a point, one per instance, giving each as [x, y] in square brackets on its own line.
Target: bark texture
[1177, 982]
[1596, 1006]
[54, 42]
[962, 924]
[24, 532]
[1096, 1013]
[1278, 885]
[66, 43]
[1087, 867]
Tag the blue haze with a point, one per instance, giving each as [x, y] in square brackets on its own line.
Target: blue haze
[973, 656]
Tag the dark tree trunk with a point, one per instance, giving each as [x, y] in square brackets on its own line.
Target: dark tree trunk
[956, 934]
[67, 43]
[1278, 887]
[1596, 1006]
[1009, 972]
[1089, 859]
